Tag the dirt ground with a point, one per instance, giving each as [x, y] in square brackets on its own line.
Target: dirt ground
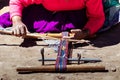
[16, 52]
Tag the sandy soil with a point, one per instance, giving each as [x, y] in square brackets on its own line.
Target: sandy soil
[15, 52]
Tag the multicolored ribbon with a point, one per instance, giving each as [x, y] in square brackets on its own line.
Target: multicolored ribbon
[62, 56]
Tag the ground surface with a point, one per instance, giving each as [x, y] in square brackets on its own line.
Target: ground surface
[15, 52]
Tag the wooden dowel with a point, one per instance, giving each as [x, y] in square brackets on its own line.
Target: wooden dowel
[6, 32]
[58, 35]
[32, 35]
[70, 68]
[36, 35]
[43, 36]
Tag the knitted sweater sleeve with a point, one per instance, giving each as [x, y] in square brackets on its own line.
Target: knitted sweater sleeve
[16, 6]
[95, 15]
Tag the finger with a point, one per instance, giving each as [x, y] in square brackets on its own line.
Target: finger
[23, 31]
[14, 32]
[18, 32]
[26, 30]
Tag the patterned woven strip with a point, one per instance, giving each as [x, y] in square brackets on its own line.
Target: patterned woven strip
[62, 56]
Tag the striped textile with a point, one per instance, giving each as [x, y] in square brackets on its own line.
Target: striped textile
[62, 56]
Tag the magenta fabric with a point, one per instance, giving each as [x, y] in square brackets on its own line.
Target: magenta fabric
[5, 20]
[38, 19]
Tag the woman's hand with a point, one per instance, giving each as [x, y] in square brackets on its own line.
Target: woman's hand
[78, 34]
[19, 28]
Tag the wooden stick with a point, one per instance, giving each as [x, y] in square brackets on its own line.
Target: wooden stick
[42, 36]
[34, 35]
[3, 31]
[70, 68]
[29, 35]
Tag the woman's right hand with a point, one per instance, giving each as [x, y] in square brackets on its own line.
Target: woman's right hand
[19, 28]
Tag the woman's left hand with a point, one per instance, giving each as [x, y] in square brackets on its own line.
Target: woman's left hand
[78, 34]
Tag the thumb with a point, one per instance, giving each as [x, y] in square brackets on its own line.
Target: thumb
[27, 32]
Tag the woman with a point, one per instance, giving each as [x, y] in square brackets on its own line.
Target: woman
[82, 17]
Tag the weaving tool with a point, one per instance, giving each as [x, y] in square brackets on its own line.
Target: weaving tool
[64, 57]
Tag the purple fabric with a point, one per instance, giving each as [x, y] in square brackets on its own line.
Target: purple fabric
[41, 20]
[5, 20]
